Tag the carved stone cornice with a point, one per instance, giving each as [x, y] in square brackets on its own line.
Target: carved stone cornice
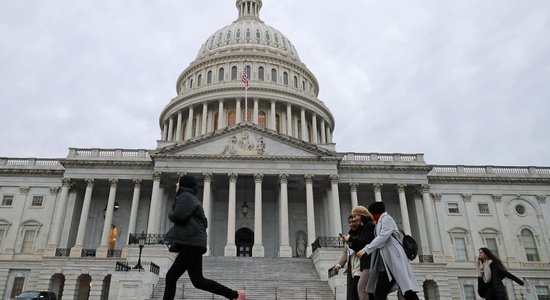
[24, 189]
[353, 187]
[106, 163]
[401, 187]
[383, 167]
[492, 179]
[258, 177]
[32, 172]
[497, 197]
[467, 197]
[243, 158]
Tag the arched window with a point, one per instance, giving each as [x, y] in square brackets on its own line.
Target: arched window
[295, 82]
[261, 73]
[231, 118]
[459, 239]
[303, 85]
[221, 74]
[209, 77]
[29, 233]
[285, 78]
[248, 72]
[199, 80]
[261, 118]
[530, 245]
[191, 83]
[273, 75]
[234, 73]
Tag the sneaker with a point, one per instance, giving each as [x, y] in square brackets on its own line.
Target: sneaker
[241, 295]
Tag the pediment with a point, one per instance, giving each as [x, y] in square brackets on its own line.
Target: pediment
[245, 140]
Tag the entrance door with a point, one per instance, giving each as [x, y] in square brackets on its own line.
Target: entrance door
[244, 238]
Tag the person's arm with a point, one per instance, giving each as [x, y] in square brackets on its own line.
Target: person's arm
[513, 277]
[343, 259]
[183, 209]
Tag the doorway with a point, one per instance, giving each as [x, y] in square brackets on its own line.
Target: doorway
[244, 239]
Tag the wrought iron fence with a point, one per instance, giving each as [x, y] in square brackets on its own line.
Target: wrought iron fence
[327, 242]
[62, 252]
[148, 238]
[122, 267]
[425, 258]
[154, 268]
[88, 253]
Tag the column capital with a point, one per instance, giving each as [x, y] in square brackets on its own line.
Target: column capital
[65, 181]
[334, 178]
[89, 182]
[377, 186]
[113, 182]
[54, 189]
[425, 188]
[437, 196]
[258, 177]
[233, 177]
[401, 187]
[308, 178]
[156, 176]
[207, 176]
[137, 182]
[283, 178]
[353, 186]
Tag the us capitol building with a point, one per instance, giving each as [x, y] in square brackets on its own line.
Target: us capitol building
[272, 185]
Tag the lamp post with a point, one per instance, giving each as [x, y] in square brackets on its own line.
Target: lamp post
[141, 241]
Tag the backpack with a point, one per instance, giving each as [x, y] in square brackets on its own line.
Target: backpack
[410, 247]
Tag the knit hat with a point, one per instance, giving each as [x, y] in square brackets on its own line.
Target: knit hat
[360, 210]
[188, 181]
[377, 208]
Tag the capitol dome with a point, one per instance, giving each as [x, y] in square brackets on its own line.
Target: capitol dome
[281, 94]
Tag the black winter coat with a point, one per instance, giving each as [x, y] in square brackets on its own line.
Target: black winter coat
[362, 237]
[495, 289]
[189, 221]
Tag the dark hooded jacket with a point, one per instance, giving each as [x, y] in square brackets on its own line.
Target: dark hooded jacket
[189, 221]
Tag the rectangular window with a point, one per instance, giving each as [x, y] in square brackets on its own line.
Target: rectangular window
[469, 292]
[17, 288]
[2, 233]
[7, 200]
[483, 208]
[452, 208]
[28, 241]
[37, 201]
[460, 249]
[492, 245]
[542, 292]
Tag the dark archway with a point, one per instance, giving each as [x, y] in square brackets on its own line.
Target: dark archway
[57, 284]
[83, 287]
[244, 239]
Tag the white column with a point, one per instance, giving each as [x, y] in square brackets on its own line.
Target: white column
[204, 117]
[238, 111]
[310, 214]
[255, 111]
[189, 128]
[134, 209]
[178, 127]
[104, 246]
[431, 223]
[151, 228]
[353, 190]
[329, 135]
[164, 131]
[284, 245]
[220, 114]
[171, 129]
[404, 210]
[206, 205]
[273, 116]
[59, 215]
[76, 250]
[314, 132]
[289, 119]
[323, 132]
[377, 191]
[258, 248]
[305, 136]
[335, 205]
[230, 247]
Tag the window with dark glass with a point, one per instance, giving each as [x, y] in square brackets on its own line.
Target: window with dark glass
[7, 200]
[261, 73]
[452, 208]
[285, 78]
[37, 201]
[221, 74]
[273, 75]
[261, 118]
[483, 208]
[529, 245]
[199, 80]
[234, 73]
[209, 77]
[295, 82]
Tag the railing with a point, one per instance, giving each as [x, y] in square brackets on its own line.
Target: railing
[122, 267]
[425, 258]
[154, 268]
[382, 157]
[29, 163]
[63, 252]
[126, 266]
[491, 170]
[114, 253]
[327, 242]
[108, 153]
[148, 238]
[88, 253]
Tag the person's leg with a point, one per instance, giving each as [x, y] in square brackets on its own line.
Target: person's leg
[383, 286]
[410, 295]
[354, 293]
[362, 285]
[193, 261]
[176, 270]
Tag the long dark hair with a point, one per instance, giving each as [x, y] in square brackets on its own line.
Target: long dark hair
[490, 255]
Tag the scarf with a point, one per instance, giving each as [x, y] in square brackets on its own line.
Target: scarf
[484, 269]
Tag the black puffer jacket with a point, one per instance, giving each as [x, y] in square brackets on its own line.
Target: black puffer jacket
[189, 221]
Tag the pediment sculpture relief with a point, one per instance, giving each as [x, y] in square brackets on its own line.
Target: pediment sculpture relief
[240, 144]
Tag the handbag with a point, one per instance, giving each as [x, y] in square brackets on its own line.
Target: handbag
[481, 287]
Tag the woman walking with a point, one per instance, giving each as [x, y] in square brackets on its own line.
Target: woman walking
[188, 238]
[491, 273]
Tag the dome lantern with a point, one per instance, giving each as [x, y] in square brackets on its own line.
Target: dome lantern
[249, 8]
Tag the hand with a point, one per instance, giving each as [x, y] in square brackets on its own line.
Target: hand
[337, 267]
[521, 282]
[345, 238]
[360, 253]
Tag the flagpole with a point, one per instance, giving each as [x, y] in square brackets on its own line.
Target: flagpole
[245, 103]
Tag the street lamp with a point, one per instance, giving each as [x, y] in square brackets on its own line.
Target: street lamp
[141, 241]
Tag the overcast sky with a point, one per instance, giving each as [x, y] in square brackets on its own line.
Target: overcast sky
[464, 82]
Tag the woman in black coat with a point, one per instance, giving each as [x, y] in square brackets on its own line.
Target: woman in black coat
[188, 238]
[491, 273]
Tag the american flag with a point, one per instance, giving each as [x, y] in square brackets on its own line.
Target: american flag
[244, 78]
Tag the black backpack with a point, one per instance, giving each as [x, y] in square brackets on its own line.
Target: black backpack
[410, 247]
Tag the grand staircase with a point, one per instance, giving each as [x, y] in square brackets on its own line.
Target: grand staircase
[262, 278]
